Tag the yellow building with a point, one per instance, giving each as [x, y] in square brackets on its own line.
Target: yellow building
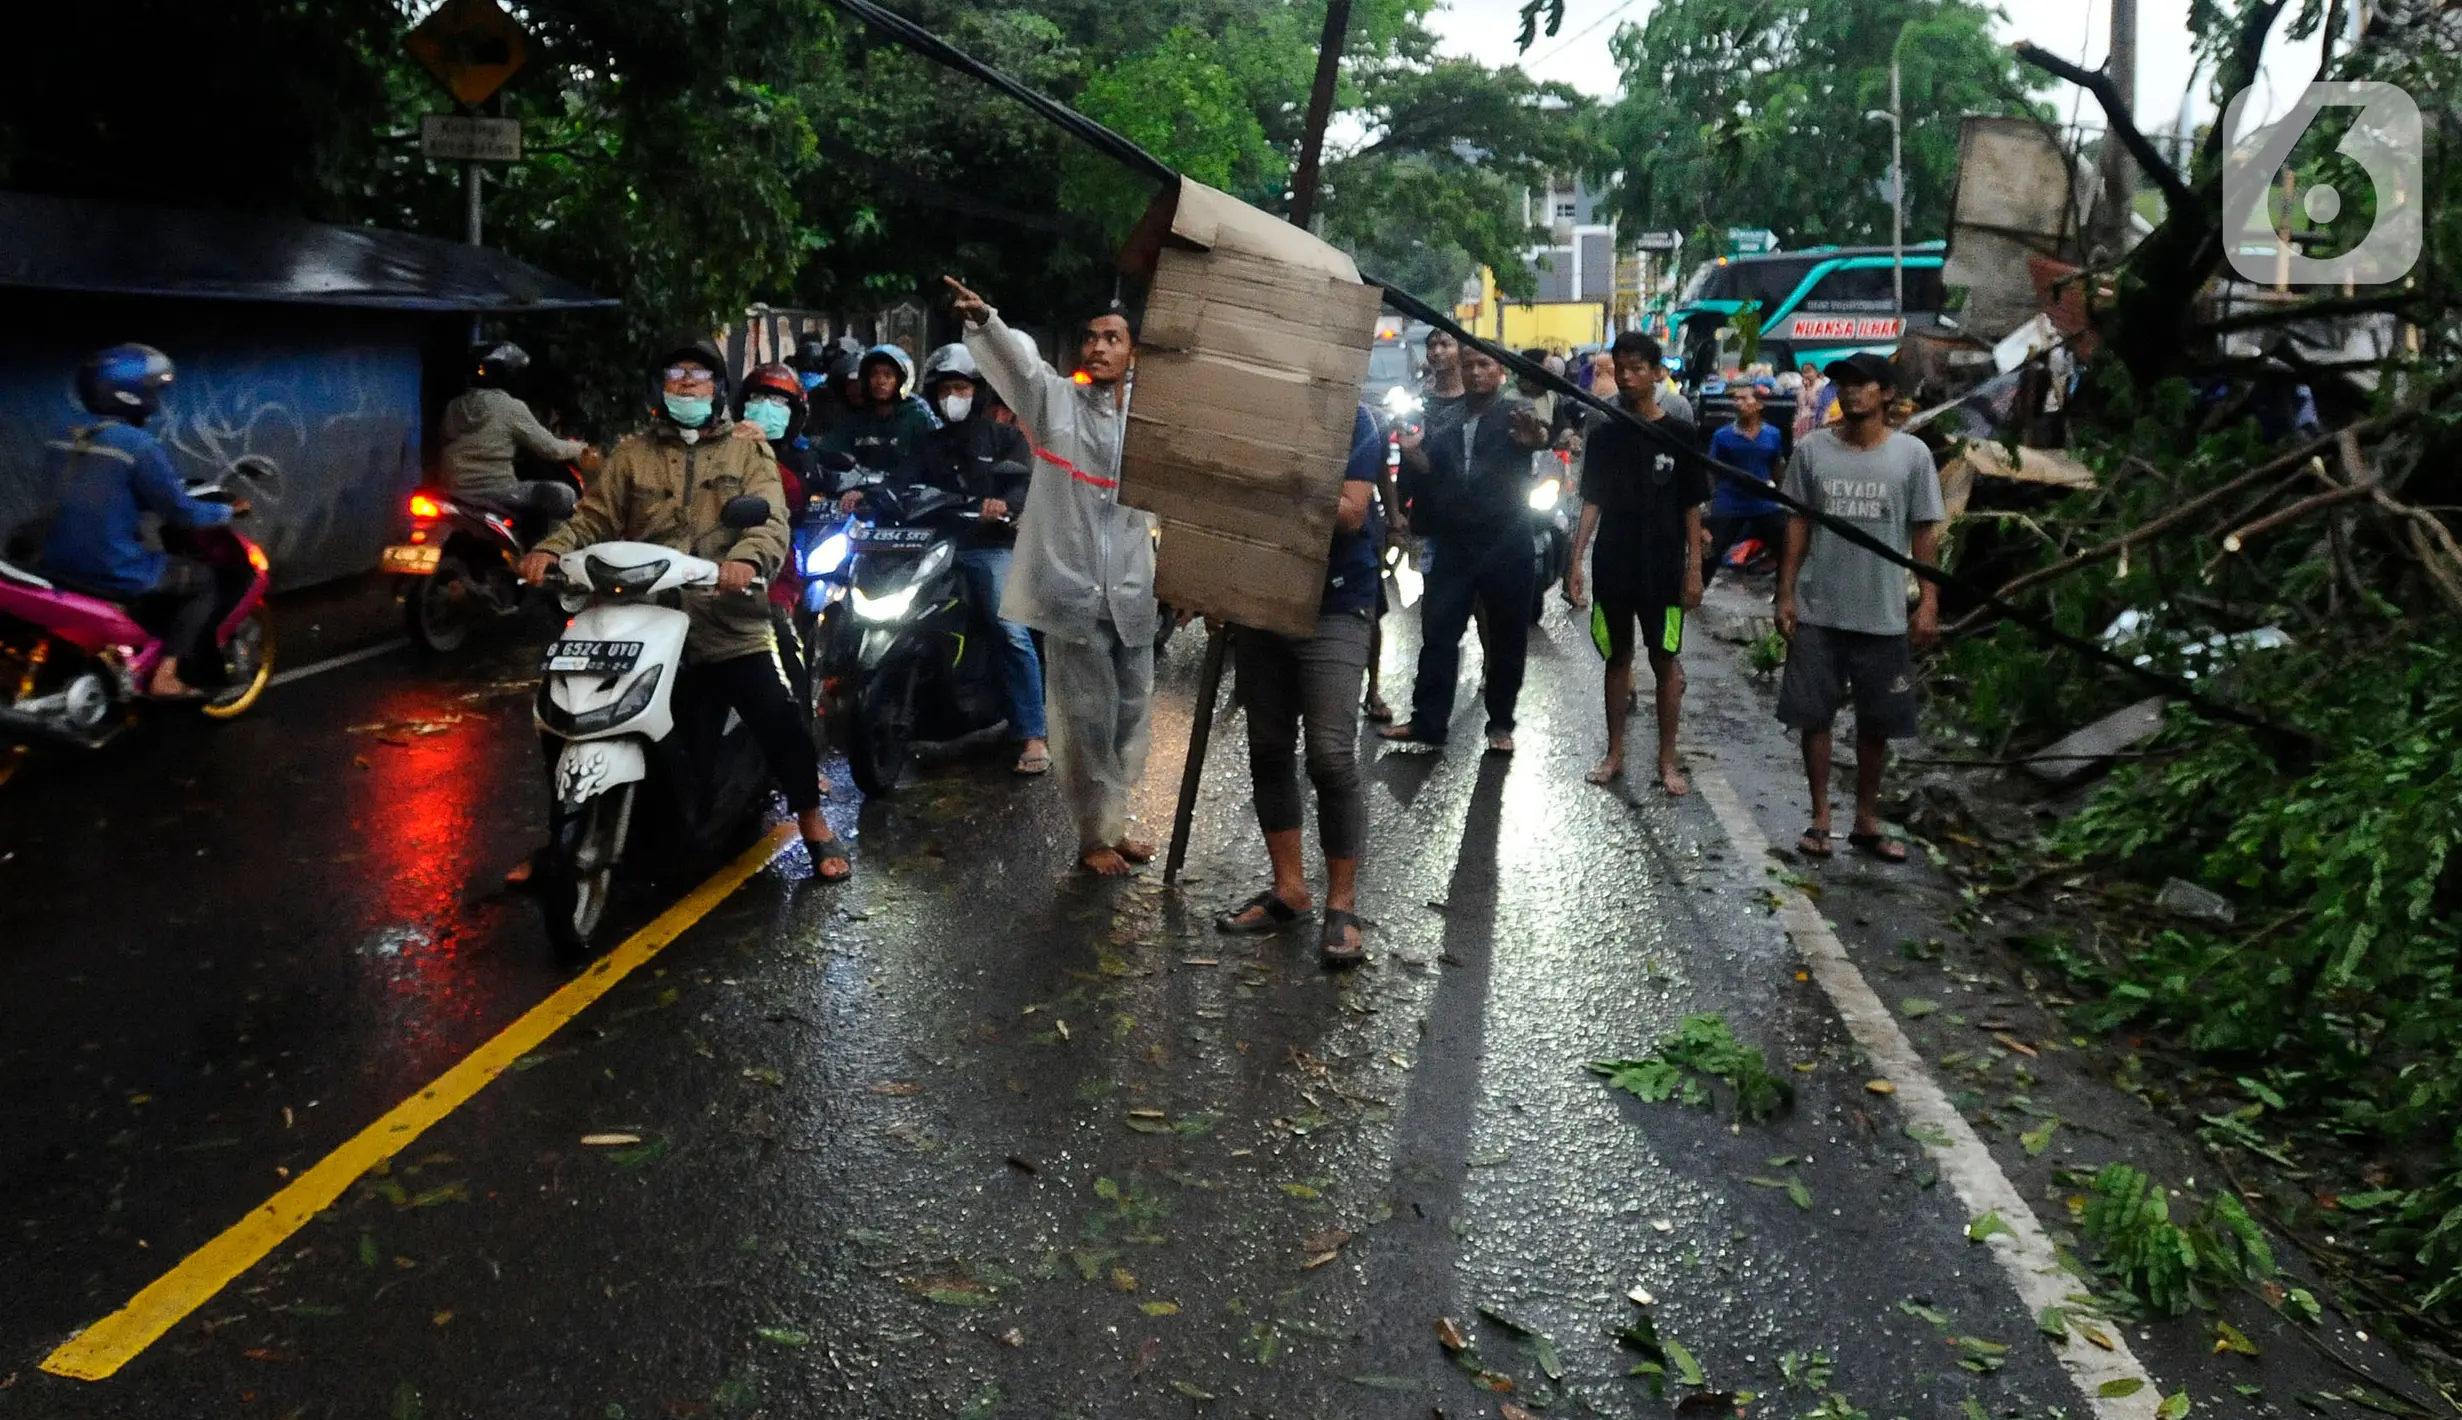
[1520, 325]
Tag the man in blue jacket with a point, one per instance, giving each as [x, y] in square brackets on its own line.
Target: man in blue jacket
[111, 473]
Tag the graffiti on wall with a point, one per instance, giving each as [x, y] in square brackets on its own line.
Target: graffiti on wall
[325, 432]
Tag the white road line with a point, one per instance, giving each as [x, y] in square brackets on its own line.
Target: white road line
[335, 663]
[2025, 1250]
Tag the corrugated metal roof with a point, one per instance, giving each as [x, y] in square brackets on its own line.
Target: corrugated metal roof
[70, 244]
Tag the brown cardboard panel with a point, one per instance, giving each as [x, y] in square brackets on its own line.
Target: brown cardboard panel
[1244, 583]
[1254, 347]
[1199, 216]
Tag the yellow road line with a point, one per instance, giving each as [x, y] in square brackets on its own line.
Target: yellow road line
[101, 1349]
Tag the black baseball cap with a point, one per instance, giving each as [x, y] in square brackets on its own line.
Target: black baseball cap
[1864, 367]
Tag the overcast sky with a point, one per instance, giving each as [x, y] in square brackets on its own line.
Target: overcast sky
[2078, 29]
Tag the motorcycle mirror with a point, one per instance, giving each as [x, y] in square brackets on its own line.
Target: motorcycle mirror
[744, 512]
[553, 500]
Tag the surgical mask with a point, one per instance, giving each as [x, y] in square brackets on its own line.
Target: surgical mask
[690, 411]
[771, 415]
[956, 407]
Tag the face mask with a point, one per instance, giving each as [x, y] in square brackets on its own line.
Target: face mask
[689, 411]
[956, 407]
[771, 415]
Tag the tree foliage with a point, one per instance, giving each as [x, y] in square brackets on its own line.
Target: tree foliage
[693, 157]
[1751, 113]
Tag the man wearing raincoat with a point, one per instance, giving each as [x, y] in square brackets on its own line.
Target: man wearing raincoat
[1084, 572]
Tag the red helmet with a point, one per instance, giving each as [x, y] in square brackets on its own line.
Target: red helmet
[776, 381]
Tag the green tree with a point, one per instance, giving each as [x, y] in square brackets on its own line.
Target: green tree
[1751, 112]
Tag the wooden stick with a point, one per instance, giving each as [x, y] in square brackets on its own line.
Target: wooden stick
[2237, 541]
[1200, 735]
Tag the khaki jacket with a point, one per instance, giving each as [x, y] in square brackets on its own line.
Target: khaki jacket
[657, 488]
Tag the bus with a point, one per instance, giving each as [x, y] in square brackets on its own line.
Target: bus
[1818, 304]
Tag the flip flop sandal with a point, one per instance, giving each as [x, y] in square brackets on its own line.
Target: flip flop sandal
[1878, 845]
[1804, 845]
[1500, 744]
[1335, 947]
[1407, 735]
[825, 851]
[1030, 765]
[1278, 915]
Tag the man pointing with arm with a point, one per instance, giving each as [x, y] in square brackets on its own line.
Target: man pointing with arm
[1084, 571]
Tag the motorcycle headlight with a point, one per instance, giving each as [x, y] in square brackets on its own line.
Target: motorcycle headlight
[887, 608]
[1545, 495]
[828, 557]
[1400, 401]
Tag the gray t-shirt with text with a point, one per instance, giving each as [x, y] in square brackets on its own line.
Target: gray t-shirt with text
[1886, 491]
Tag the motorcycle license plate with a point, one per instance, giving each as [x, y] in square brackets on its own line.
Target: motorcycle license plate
[409, 561]
[880, 539]
[593, 657]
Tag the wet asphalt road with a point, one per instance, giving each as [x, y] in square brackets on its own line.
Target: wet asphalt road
[970, 1136]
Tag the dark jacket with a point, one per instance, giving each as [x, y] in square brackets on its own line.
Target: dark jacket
[876, 441]
[960, 457]
[1478, 499]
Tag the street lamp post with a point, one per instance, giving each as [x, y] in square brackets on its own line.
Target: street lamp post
[1895, 118]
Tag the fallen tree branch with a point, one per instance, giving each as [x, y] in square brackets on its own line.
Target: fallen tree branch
[2263, 316]
[2424, 531]
[2237, 541]
[2123, 126]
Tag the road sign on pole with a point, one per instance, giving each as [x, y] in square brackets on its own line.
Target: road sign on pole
[462, 138]
[471, 46]
[1660, 241]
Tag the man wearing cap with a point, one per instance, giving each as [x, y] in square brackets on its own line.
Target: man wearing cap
[1842, 607]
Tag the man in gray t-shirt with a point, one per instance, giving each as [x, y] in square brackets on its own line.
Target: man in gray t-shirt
[1842, 607]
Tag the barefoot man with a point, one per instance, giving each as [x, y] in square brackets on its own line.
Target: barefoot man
[1084, 574]
[1641, 510]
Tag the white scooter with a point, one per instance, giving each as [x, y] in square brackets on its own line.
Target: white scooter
[610, 695]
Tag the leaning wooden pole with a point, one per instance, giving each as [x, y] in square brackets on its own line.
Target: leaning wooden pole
[1200, 739]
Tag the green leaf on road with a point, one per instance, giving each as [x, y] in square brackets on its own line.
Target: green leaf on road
[2039, 1138]
[782, 1336]
[1921, 1312]
[2054, 1323]
[2174, 1407]
[1986, 1226]
[1915, 1008]
[1800, 1194]
[1688, 1370]
[984, 1405]
[1550, 1363]
[1392, 1383]
[2230, 1338]
[369, 1256]
[2126, 1385]
[1191, 1391]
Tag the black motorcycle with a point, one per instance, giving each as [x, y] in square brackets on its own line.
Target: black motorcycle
[460, 570]
[910, 657]
[1554, 500]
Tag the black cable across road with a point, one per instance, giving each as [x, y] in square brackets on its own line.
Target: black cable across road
[1129, 155]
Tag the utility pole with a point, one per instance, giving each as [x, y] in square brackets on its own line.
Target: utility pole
[1320, 111]
[2119, 174]
[1897, 190]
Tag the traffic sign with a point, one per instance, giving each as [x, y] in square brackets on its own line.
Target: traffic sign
[471, 46]
[1660, 241]
[459, 138]
[1751, 241]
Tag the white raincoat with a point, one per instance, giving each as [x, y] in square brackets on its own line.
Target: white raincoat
[1084, 577]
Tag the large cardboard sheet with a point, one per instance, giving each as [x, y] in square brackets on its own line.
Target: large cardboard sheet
[1249, 367]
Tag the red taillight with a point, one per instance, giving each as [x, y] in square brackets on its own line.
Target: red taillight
[1082, 378]
[422, 506]
[256, 558]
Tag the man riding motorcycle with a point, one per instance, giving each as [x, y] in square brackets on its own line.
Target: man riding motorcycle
[486, 425]
[668, 486]
[882, 432]
[113, 471]
[961, 456]
[774, 403]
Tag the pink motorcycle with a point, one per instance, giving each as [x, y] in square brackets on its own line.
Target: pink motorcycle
[73, 666]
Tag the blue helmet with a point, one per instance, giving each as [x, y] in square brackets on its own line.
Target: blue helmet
[125, 381]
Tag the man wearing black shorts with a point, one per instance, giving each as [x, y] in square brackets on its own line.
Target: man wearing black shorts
[1842, 608]
[1641, 505]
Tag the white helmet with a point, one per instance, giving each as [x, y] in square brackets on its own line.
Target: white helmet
[948, 362]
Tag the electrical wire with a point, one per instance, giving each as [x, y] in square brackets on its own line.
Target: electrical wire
[940, 51]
